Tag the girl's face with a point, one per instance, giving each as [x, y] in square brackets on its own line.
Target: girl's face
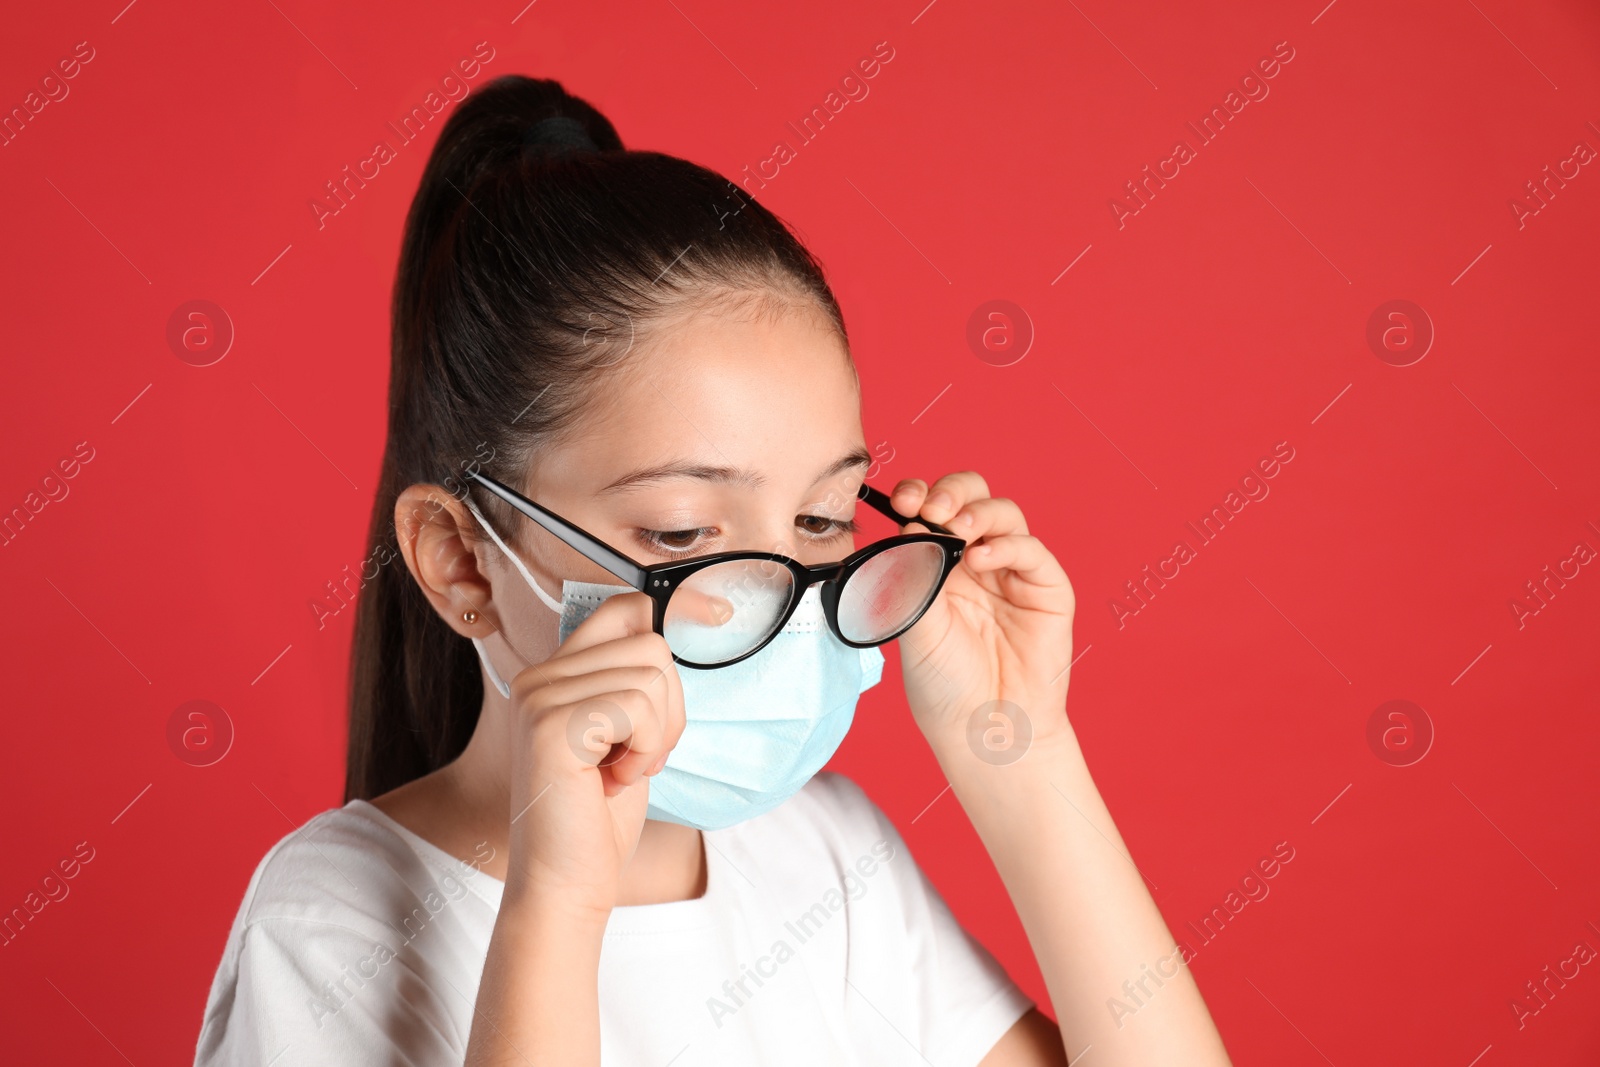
[727, 431]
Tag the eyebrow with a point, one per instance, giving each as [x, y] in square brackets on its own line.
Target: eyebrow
[736, 476]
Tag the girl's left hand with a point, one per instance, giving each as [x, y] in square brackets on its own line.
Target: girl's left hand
[1000, 629]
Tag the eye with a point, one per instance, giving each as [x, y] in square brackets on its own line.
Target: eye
[674, 542]
[822, 528]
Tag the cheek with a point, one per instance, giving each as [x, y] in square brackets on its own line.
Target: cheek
[526, 622]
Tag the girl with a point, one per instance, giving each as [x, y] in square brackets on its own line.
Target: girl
[584, 821]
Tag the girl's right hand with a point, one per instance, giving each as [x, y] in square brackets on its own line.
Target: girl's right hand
[589, 726]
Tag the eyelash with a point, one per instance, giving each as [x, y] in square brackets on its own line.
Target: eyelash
[654, 539]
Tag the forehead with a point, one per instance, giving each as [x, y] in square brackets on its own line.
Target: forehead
[771, 393]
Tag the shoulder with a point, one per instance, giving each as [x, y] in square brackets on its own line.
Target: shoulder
[908, 952]
[333, 908]
[341, 868]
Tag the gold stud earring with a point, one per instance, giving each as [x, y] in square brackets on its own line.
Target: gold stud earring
[469, 616]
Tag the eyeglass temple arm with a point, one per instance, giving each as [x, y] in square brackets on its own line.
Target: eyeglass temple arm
[575, 537]
[880, 500]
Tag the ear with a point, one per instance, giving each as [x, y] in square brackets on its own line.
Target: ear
[437, 538]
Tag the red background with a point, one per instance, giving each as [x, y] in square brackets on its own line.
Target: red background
[1223, 318]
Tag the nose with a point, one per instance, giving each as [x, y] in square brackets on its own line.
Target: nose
[782, 538]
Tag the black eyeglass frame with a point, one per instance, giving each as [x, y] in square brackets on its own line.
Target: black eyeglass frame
[660, 580]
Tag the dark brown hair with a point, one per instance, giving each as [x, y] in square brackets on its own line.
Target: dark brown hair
[531, 264]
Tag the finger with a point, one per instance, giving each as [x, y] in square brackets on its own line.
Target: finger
[646, 652]
[943, 499]
[618, 732]
[627, 763]
[622, 615]
[1022, 554]
[908, 495]
[951, 493]
[560, 692]
[645, 753]
[639, 650]
[677, 718]
[909, 498]
[990, 517]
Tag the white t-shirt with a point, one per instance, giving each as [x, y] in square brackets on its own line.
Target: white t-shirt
[818, 941]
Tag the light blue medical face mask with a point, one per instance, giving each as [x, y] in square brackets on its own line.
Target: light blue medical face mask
[755, 731]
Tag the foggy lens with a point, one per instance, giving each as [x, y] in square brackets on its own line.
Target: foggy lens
[721, 612]
[888, 591]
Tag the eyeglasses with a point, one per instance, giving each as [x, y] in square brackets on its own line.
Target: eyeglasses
[718, 609]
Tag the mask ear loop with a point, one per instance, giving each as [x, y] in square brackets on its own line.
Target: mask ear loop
[549, 601]
[500, 684]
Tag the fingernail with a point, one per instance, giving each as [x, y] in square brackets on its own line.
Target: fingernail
[939, 501]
